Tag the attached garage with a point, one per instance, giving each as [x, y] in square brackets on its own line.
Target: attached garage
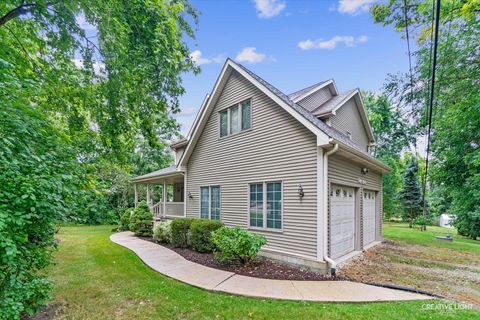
[369, 217]
[342, 220]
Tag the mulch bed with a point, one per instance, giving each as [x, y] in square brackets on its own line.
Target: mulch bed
[260, 268]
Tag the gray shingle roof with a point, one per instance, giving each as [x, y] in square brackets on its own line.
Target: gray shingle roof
[332, 103]
[331, 132]
[296, 94]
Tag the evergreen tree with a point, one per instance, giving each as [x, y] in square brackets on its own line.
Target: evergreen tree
[411, 196]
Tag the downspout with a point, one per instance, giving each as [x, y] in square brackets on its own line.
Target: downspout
[330, 261]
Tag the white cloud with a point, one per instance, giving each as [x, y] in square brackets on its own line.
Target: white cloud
[354, 6]
[349, 41]
[250, 55]
[269, 8]
[197, 58]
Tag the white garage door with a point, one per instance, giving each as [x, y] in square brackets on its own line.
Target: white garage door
[369, 217]
[342, 220]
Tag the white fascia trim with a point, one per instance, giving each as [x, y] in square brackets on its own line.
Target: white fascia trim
[159, 176]
[361, 109]
[380, 165]
[344, 100]
[315, 89]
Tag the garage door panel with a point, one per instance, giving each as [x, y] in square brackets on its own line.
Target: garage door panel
[342, 220]
[369, 217]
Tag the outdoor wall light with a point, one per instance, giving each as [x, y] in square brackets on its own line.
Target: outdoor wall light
[190, 196]
[364, 170]
[300, 191]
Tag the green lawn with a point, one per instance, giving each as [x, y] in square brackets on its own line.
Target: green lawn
[401, 232]
[97, 279]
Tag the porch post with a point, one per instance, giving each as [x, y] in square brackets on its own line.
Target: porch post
[136, 195]
[148, 194]
[164, 197]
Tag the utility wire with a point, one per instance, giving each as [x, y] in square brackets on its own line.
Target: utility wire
[405, 12]
[432, 92]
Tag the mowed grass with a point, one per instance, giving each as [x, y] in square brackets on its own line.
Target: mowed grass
[97, 279]
[402, 233]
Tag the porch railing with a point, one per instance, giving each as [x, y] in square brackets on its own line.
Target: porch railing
[172, 209]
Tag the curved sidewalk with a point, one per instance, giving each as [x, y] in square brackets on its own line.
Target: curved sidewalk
[175, 266]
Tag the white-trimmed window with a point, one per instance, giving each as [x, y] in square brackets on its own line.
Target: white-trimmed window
[236, 118]
[210, 202]
[265, 205]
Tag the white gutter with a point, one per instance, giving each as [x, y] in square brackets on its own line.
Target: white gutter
[332, 263]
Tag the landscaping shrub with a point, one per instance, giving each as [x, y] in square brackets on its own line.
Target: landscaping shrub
[162, 231]
[201, 233]
[181, 232]
[236, 245]
[141, 220]
[124, 223]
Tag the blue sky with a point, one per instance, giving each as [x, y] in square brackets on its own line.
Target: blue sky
[291, 44]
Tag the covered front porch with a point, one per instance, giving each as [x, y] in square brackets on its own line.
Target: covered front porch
[164, 192]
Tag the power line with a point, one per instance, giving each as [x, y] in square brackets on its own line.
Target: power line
[405, 12]
[432, 92]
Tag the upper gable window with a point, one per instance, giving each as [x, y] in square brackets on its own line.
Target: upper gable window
[236, 118]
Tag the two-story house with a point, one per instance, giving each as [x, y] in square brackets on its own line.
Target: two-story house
[295, 168]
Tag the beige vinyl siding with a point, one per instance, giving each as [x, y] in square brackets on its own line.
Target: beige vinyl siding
[348, 118]
[343, 171]
[276, 148]
[178, 154]
[316, 99]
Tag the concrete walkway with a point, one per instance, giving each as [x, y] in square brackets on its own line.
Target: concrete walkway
[175, 266]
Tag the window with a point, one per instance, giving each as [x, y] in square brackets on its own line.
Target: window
[274, 205]
[204, 205]
[210, 202]
[256, 205]
[265, 207]
[349, 135]
[246, 115]
[236, 118]
[223, 123]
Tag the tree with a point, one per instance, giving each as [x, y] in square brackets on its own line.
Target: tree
[37, 171]
[456, 114]
[392, 136]
[77, 112]
[411, 195]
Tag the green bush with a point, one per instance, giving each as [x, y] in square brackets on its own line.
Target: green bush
[422, 221]
[201, 233]
[141, 221]
[236, 245]
[162, 231]
[181, 232]
[124, 223]
[37, 188]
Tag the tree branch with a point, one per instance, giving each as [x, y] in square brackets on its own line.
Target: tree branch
[18, 11]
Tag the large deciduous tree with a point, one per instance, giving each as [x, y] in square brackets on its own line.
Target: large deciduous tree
[78, 110]
[456, 113]
[392, 135]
